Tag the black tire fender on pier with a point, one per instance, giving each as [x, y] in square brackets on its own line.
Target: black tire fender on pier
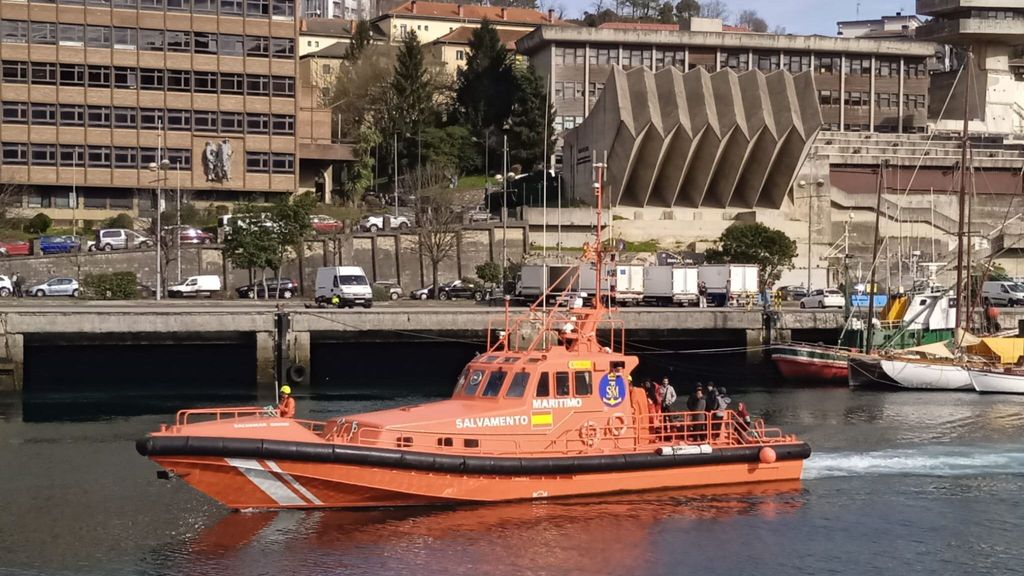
[296, 373]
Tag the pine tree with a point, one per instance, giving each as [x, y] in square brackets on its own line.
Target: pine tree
[411, 87]
[484, 90]
[361, 38]
[527, 127]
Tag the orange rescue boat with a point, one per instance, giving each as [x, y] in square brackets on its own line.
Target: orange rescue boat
[547, 411]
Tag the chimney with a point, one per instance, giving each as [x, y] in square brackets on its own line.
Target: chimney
[551, 14]
[412, 6]
[352, 26]
[504, 13]
[460, 10]
[303, 25]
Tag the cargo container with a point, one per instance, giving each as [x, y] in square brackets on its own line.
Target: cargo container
[670, 285]
[629, 284]
[728, 283]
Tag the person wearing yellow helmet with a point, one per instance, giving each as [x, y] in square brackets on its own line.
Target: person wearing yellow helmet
[286, 407]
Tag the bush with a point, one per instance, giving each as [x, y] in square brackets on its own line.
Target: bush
[122, 220]
[380, 293]
[112, 286]
[39, 224]
[489, 272]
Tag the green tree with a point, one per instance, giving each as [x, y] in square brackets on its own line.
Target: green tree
[361, 38]
[666, 14]
[526, 125]
[39, 224]
[686, 10]
[450, 148]
[412, 91]
[489, 272]
[772, 250]
[484, 88]
[253, 246]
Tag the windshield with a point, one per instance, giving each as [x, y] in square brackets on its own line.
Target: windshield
[352, 281]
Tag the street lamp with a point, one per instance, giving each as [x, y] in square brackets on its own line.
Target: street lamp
[810, 205]
[160, 164]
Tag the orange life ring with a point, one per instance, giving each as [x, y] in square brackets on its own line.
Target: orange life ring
[589, 433]
[617, 424]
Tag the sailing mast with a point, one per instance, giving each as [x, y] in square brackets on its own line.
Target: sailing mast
[960, 316]
[874, 258]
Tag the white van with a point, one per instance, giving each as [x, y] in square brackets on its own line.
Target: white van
[206, 285]
[349, 283]
[1003, 293]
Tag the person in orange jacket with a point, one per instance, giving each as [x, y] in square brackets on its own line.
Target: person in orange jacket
[286, 407]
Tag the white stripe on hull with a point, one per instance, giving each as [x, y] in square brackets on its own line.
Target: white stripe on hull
[266, 481]
[997, 383]
[922, 376]
[295, 484]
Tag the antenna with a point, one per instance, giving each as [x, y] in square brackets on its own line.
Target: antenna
[858, 9]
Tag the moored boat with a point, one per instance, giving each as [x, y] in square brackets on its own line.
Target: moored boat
[547, 411]
[811, 363]
[997, 381]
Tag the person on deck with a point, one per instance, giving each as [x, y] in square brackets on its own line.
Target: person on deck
[743, 424]
[640, 405]
[286, 406]
[696, 403]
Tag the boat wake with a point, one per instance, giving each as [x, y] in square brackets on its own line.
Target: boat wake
[925, 461]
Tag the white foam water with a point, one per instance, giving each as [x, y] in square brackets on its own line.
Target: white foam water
[924, 461]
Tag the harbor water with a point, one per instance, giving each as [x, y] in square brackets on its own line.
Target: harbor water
[899, 483]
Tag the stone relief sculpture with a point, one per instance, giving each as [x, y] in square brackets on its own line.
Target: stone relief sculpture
[217, 161]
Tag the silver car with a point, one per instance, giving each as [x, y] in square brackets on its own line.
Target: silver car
[57, 287]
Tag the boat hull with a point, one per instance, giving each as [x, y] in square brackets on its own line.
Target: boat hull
[254, 477]
[866, 372]
[811, 363]
[927, 376]
[996, 382]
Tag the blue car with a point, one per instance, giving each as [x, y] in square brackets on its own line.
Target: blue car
[59, 244]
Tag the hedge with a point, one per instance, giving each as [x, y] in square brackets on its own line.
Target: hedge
[112, 286]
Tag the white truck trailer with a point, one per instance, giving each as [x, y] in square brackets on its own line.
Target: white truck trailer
[629, 284]
[729, 284]
[670, 285]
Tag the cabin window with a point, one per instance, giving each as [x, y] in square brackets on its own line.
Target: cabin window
[543, 386]
[561, 383]
[494, 384]
[461, 381]
[582, 382]
[510, 360]
[470, 443]
[445, 442]
[489, 359]
[518, 386]
[475, 378]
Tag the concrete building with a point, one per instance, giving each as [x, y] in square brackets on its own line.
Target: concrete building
[432, 20]
[886, 27]
[453, 48]
[93, 94]
[319, 33]
[344, 9]
[862, 85]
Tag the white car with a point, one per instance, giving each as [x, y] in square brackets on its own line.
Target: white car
[375, 223]
[57, 287]
[6, 286]
[823, 298]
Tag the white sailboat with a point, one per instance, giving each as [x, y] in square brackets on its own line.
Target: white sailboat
[927, 374]
[996, 381]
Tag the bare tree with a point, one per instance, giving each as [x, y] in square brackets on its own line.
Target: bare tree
[752, 20]
[440, 222]
[714, 9]
[10, 196]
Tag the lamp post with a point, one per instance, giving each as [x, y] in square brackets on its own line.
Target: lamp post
[504, 205]
[160, 164]
[177, 215]
[810, 221]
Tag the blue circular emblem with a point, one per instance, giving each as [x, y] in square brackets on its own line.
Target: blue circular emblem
[612, 389]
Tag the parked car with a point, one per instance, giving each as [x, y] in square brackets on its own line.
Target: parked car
[1001, 293]
[451, 290]
[348, 283]
[6, 286]
[288, 288]
[59, 244]
[325, 224]
[792, 293]
[394, 291]
[422, 293]
[15, 248]
[56, 287]
[204, 285]
[121, 238]
[375, 223]
[823, 298]
[190, 235]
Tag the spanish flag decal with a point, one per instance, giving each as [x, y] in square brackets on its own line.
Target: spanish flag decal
[541, 419]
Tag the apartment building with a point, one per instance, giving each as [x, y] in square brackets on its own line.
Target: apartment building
[432, 20]
[862, 85]
[95, 93]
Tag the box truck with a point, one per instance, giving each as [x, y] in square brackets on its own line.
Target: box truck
[728, 283]
[670, 285]
[629, 284]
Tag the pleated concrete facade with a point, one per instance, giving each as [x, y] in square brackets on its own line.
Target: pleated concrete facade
[695, 139]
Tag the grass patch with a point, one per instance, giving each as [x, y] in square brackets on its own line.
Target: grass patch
[477, 181]
[9, 234]
[339, 212]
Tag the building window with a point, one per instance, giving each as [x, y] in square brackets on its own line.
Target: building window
[232, 83]
[231, 122]
[180, 159]
[98, 36]
[125, 4]
[257, 46]
[796, 63]
[98, 117]
[179, 41]
[596, 89]
[284, 9]
[126, 158]
[151, 40]
[14, 154]
[233, 7]
[44, 73]
[855, 99]
[231, 45]
[151, 79]
[179, 5]
[914, 101]
[71, 34]
[282, 163]
[257, 124]
[257, 85]
[43, 154]
[883, 100]
[155, 5]
[767, 62]
[72, 75]
[126, 38]
[570, 56]
[633, 57]
[460, 55]
[257, 8]
[204, 81]
[828, 98]
[282, 85]
[258, 162]
[203, 121]
[858, 66]
[15, 72]
[97, 157]
[72, 115]
[738, 61]
[125, 118]
[179, 120]
[915, 70]
[15, 112]
[98, 76]
[13, 31]
[151, 119]
[204, 6]
[887, 68]
[71, 155]
[126, 77]
[204, 43]
[179, 80]
[43, 33]
[282, 47]
[44, 114]
[829, 64]
[282, 125]
[604, 56]
[671, 58]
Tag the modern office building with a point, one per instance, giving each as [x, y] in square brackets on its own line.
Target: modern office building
[862, 85]
[94, 94]
[889, 27]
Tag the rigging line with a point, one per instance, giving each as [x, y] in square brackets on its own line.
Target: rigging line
[404, 332]
[928, 142]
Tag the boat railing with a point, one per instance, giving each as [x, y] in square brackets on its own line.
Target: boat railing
[599, 434]
[197, 415]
